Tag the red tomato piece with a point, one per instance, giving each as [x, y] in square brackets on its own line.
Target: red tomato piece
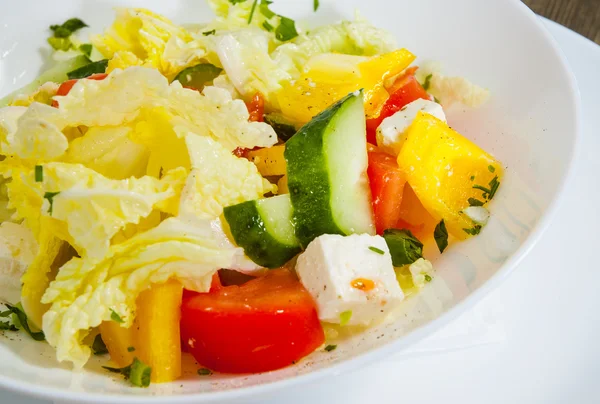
[405, 90]
[387, 186]
[66, 87]
[265, 324]
[256, 108]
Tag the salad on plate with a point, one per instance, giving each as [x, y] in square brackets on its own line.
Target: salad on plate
[230, 190]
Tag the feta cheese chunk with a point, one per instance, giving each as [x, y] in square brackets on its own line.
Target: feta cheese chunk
[390, 132]
[350, 274]
[421, 272]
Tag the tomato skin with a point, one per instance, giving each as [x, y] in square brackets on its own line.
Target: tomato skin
[266, 324]
[256, 108]
[405, 90]
[66, 87]
[387, 183]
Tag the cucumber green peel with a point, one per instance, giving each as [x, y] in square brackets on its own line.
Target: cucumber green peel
[198, 76]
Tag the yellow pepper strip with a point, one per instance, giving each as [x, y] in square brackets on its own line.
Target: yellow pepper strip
[446, 171]
[269, 161]
[282, 185]
[158, 339]
[119, 341]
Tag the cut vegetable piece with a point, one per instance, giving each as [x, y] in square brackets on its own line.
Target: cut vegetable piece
[118, 340]
[88, 70]
[263, 228]
[327, 173]
[404, 247]
[269, 161]
[439, 164]
[158, 338]
[282, 185]
[284, 128]
[414, 216]
[56, 74]
[198, 76]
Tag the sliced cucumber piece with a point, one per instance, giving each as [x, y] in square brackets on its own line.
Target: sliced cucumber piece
[56, 74]
[88, 70]
[327, 173]
[284, 128]
[263, 228]
[198, 76]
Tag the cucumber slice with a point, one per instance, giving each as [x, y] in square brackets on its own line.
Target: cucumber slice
[263, 228]
[88, 70]
[327, 173]
[284, 129]
[56, 74]
[198, 76]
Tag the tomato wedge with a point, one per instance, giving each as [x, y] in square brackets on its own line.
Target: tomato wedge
[66, 87]
[256, 108]
[387, 186]
[405, 90]
[265, 324]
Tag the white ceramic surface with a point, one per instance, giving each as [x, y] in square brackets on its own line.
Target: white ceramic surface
[532, 130]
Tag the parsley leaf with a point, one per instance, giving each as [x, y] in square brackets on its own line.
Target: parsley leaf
[204, 372]
[330, 348]
[492, 168]
[6, 326]
[427, 82]
[475, 202]
[494, 185]
[315, 5]
[67, 28]
[130, 349]
[138, 373]
[265, 10]
[286, 29]
[21, 318]
[39, 173]
[98, 347]
[427, 278]
[50, 196]
[404, 247]
[473, 231]
[86, 49]
[440, 234]
[114, 316]
[207, 33]
[377, 250]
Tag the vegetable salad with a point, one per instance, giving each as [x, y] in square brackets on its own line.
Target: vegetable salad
[228, 189]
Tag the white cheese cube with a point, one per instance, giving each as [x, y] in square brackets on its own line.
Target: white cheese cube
[390, 132]
[352, 274]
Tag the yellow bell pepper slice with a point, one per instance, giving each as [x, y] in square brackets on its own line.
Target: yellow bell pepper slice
[415, 217]
[282, 185]
[119, 341]
[330, 77]
[446, 170]
[269, 161]
[158, 339]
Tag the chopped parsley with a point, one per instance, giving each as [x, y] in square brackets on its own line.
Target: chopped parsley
[404, 247]
[427, 82]
[315, 5]
[19, 320]
[89, 69]
[138, 373]
[475, 202]
[61, 33]
[130, 349]
[86, 49]
[207, 33]
[492, 168]
[475, 230]
[286, 29]
[377, 250]
[330, 348]
[440, 234]
[345, 317]
[252, 11]
[6, 326]
[472, 178]
[489, 193]
[427, 278]
[99, 347]
[115, 317]
[268, 26]
[204, 372]
[39, 173]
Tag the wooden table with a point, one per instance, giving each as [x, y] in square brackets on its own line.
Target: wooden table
[582, 16]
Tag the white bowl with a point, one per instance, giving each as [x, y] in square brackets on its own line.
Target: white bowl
[531, 125]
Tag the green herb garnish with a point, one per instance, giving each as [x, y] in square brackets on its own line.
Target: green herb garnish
[39, 173]
[286, 29]
[377, 250]
[19, 320]
[475, 230]
[315, 5]
[67, 28]
[86, 49]
[494, 185]
[204, 372]
[472, 178]
[236, 1]
[492, 168]
[138, 373]
[130, 349]
[98, 347]
[440, 234]
[88, 70]
[475, 202]
[330, 348]
[427, 82]
[6, 326]
[268, 26]
[115, 317]
[207, 33]
[265, 10]
[427, 278]
[345, 317]
[50, 197]
[252, 11]
[404, 247]
[486, 191]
